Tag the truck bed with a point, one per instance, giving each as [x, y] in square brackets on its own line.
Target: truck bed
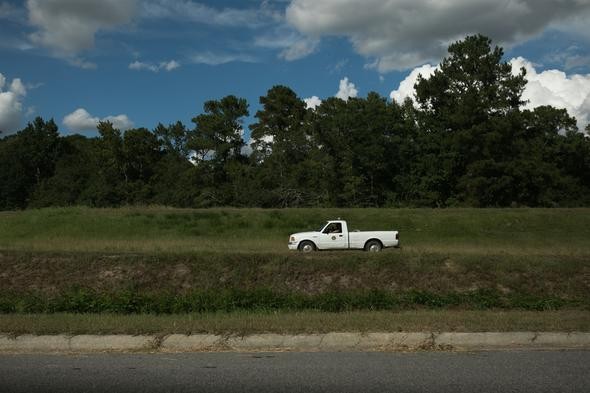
[358, 239]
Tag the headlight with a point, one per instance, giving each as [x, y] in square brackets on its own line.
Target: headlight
[292, 238]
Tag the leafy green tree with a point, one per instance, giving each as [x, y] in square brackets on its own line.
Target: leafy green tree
[28, 158]
[218, 132]
[217, 142]
[331, 123]
[173, 138]
[74, 170]
[279, 129]
[281, 144]
[175, 180]
[110, 150]
[141, 153]
[471, 86]
[467, 141]
[374, 146]
[107, 187]
[470, 105]
[15, 181]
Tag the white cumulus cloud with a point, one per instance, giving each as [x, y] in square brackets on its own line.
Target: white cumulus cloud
[549, 87]
[81, 120]
[18, 88]
[346, 90]
[556, 88]
[11, 106]
[406, 87]
[312, 102]
[165, 65]
[401, 34]
[68, 27]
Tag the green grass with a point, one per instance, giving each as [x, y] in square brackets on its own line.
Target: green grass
[297, 322]
[163, 260]
[81, 300]
[165, 230]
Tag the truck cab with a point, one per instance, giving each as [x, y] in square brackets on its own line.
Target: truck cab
[335, 235]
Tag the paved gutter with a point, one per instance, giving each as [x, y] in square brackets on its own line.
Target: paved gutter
[329, 342]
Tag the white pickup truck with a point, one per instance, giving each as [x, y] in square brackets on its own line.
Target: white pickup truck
[334, 235]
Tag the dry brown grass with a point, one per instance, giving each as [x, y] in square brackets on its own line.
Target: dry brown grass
[300, 322]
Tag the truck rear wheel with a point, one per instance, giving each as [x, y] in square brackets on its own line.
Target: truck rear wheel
[373, 246]
[306, 246]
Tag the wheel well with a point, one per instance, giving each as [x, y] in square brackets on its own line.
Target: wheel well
[376, 240]
[309, 241]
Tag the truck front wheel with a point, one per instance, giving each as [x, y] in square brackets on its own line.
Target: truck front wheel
[373, 246]
[306, 246]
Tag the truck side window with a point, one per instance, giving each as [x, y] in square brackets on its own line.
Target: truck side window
[333, 228]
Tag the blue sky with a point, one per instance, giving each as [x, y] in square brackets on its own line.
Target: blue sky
[140, 62]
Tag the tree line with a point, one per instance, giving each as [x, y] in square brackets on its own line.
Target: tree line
[465, 141]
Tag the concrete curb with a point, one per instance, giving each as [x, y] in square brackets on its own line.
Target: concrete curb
[80, 343]
[329, 342]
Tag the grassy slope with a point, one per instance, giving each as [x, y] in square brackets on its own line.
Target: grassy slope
[165, 230]
[396, 271]
[536, 258]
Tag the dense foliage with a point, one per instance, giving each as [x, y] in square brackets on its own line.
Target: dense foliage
[466, 142]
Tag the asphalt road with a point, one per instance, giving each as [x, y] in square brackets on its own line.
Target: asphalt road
[522, 371]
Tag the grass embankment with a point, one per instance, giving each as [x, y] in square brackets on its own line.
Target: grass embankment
[160, 260]
[323, 281]
[157, 230]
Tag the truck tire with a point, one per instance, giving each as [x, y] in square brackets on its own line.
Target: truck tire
[306, 246]
[373, 246]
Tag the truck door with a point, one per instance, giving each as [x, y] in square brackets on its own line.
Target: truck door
[333, 237]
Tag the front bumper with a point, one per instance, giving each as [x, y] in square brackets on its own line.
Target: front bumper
[293, 246]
